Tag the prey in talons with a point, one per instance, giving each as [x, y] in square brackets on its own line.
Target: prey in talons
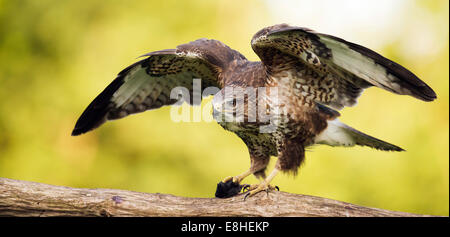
[230, 186]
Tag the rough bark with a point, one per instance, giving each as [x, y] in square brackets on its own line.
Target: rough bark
[24, 198]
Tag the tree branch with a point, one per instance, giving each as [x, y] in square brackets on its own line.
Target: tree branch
[24, 198]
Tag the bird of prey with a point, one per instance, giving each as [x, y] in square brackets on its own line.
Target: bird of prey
[315, 75]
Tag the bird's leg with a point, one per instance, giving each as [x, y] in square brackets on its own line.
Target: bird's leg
[237, 179]
[230, 186]
[263, 186]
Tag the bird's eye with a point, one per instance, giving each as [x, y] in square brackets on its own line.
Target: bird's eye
[231, 102]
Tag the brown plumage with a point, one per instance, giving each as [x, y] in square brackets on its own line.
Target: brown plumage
[314, 75]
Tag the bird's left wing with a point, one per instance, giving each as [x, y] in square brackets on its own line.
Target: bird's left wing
[343, 68]
[147, 84]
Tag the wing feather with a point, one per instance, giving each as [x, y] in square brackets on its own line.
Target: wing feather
[147, 84]
[352, 67]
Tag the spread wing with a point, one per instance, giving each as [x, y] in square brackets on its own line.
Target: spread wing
[338, 70]
[147, 84]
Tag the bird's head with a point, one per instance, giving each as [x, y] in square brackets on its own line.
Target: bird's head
[228, 106]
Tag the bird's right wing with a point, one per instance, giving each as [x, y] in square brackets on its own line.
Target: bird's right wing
[147, 84]
[344, 69]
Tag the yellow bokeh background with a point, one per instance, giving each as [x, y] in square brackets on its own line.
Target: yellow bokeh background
[56, 56]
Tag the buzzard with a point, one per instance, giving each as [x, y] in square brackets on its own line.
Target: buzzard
[314, 75]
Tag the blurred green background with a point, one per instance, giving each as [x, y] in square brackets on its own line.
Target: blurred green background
[57, 55]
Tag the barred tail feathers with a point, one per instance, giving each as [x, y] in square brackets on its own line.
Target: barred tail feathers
[340, 134]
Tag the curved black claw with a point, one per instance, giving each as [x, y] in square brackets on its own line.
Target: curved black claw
[246, 187]
[228, 189]
[278, 189]
[246, 195]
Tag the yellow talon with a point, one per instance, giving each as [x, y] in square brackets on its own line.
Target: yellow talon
[263, 186]
[255, 186]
